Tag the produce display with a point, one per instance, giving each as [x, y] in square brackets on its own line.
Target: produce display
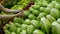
[9, 3]
[21, 4]
[42, 18]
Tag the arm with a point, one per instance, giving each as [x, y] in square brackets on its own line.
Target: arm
[8, 10]
[7, 17]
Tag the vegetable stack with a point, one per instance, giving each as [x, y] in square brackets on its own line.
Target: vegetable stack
[42, 18]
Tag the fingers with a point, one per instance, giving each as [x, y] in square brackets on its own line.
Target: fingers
[20, 14]
[17, 11]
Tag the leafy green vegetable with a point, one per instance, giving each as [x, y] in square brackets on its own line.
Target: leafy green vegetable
[47, 10]
[35, 23]
[17, 7]
[23, 32]
[55, 13]
[31, 16]
[50, 18]
[41, 15]
[18, 30]
[18, 20]
[55, 28]
[46, 25]
[24, 26]
[26, 13]
[42, 8]
[6, 32]
[27, 21]
[12, 27]
[30, 29]
[38, 32]
[13, 33]
[58, 20]
[57, 5]
[36, 12]
[17, 25]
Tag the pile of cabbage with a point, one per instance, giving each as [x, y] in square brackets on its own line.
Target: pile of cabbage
[42, 18]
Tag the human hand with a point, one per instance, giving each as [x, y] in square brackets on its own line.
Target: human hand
[20, 13]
